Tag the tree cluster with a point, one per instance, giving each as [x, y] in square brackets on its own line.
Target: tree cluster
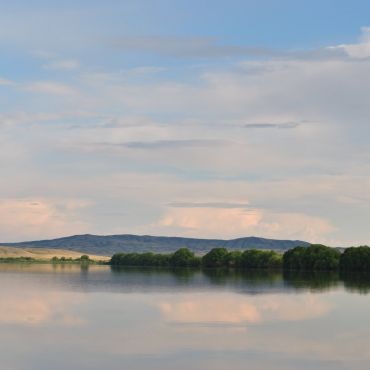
[321, 258]
[316, 257]
[216, 258]
[355, 259]
[181, 258]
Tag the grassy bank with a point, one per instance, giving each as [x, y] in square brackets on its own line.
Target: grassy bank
[45, 255]
[54, 260]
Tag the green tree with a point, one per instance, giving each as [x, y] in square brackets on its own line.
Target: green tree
[183, 258]
[316, 257]
[234, 259]
[260, 259]
[216, 257]
[355, 259]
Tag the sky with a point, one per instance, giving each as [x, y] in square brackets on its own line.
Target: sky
[211, 119]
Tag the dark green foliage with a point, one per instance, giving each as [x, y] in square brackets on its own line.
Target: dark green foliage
[316, 257]
[358, 282]
[293, 259]
[216, 257]
[140, 259]
[84, 259]
[318, 281]
[355, 259]
[184, 258]
[313, 258]
[233, 259]
[255, 258]
[181, 258]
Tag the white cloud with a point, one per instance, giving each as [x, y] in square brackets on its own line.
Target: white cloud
[200, 139]
[360, 50]
[40, 118]
[40, 218]
[237, 222]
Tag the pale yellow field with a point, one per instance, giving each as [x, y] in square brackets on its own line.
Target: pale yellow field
[45, 254]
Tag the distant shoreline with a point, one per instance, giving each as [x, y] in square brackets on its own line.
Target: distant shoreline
[316, 257]
[59, 261]
[8, 254]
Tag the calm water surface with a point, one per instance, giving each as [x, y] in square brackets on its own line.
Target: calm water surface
[65, 317]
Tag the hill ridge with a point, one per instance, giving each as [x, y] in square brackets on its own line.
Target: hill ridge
[110, 244]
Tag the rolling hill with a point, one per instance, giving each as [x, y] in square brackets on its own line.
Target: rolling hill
[110, 244]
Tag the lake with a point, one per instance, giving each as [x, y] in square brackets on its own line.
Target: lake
[55, 317]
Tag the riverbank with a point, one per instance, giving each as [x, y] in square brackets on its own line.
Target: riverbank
[43, 255]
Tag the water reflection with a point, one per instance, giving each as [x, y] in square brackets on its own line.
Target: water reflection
[148, 279]
[356, 283]
[37, 308]
[251, 281]
[181, 319]
[315, 281]
[209, 310]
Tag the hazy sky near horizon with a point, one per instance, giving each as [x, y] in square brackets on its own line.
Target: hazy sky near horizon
[193, 118]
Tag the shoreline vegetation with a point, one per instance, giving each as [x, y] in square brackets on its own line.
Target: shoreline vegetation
[316, 257]
[45, 255]
[84, 259]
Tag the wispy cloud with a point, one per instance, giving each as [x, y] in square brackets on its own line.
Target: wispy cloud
[208, 205]
[207, 47]
[41, 118]
[285, 125]
[6, 82]
[37, 218]
[187, 47]
[161, 144]
[50, 87]
[210, 123]
[64, 65]
[209, 221]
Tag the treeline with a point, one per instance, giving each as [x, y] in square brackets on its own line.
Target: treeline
[355, 259]
[217, 257]
[83, 259]
[316, 257]
[322, 258]
[313, 258]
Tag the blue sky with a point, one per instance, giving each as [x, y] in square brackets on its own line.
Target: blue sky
[206, 119]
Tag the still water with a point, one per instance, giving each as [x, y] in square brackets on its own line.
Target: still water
[67, 317]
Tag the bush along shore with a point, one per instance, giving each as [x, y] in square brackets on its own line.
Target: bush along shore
[316, 257]
[84, 259]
